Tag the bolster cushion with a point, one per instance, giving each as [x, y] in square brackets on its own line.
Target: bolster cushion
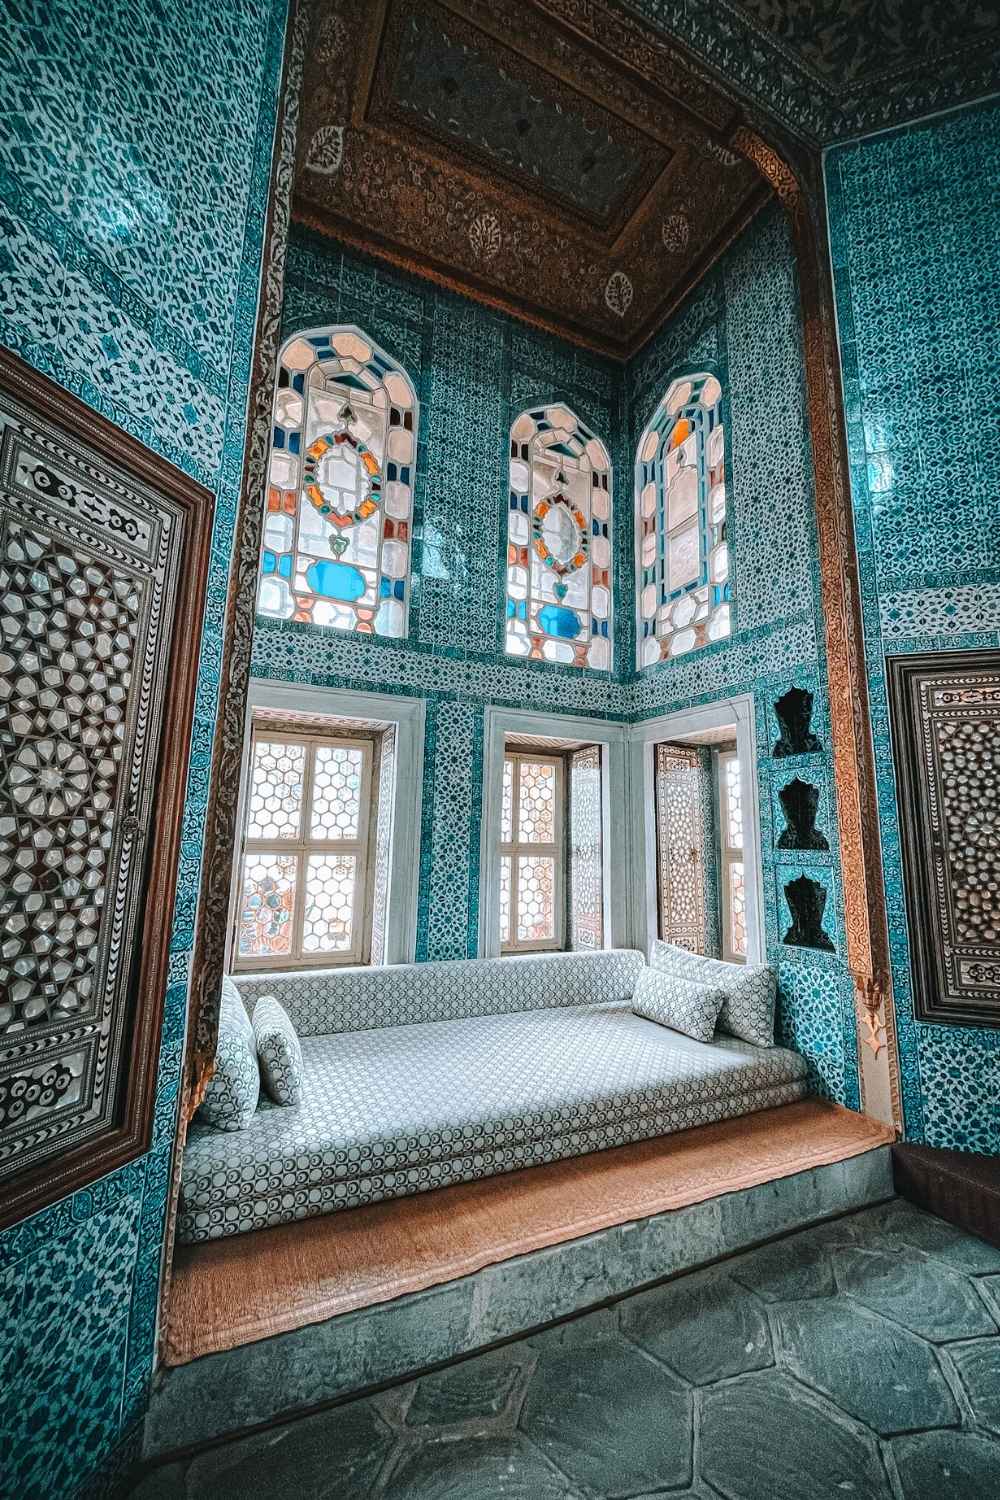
[279, 1051]
[676, 1001]
[748, 990]
[232, 1094]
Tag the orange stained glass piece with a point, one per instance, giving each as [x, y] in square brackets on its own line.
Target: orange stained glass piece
[681, 432]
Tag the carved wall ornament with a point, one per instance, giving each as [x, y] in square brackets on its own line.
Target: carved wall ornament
[485, 236]
[618, 293]
[326, 150]
[675, 231]
[945, 710]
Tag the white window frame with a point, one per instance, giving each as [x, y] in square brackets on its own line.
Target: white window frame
[358, 847]
[729, 855]
[516, 848]
[737, 714]
[379, 711]
[501, 723]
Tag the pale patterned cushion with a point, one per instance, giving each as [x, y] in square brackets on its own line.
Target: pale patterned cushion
[406, 994]
[279, 1051]
[683, 1004]
[232, 1094]
[399, 1111]
[748, 989]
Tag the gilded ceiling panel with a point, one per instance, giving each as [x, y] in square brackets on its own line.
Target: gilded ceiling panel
[519, 159]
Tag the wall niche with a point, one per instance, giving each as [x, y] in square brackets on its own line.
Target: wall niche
[793, 711]
[800, 805]
[807, 902]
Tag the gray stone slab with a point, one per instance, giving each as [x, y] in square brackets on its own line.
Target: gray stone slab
[773, 1208]
[978, 1366]
[704, 1326]
[472, 1469]
[611, 1418]
[872, 1368]
[477, 1388]
[764, 1435]
[920, 1294]
[244, 1387]
[334, 1453]
[258, 1382]
[947, 1466]
[787, 1270]
[899, 1224]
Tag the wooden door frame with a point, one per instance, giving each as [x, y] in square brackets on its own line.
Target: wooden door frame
[129, 1135]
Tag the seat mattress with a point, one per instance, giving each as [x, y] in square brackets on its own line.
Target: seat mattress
[391, 1112]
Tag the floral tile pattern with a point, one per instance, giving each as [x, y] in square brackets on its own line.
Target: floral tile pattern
[132, 239]
[931, 243]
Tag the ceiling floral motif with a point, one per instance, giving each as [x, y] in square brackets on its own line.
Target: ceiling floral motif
[512, 154]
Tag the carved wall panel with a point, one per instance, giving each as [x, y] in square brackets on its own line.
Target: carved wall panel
[101, 571]
[946, 728]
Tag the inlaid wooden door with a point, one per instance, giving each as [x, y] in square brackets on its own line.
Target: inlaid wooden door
[103, 553]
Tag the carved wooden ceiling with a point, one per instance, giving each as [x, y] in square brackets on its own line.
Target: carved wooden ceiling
[832, 69]
[577, 175]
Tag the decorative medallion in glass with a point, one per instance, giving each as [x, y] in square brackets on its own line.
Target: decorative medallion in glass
[558, 541]
[682, 555]
[338, 529]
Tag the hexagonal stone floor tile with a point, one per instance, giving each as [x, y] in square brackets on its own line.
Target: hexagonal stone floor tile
[764, 1435]
[478, 1388]
[471, 1469]
[788, 1269]
[334, 1453]
[612, 1419]
[898, 1223]
[878, 1372]
[919, 1293]
[703, 1326]
[978, 1366]
[947, 1466]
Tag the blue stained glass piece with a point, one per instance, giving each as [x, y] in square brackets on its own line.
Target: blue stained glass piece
[335, 580]
[268, 562]
[511, 607]
[279, 437]
[399, 588]
[299, 381]
[285, 566]
[557, 620]
[384, 588]
[294, 442]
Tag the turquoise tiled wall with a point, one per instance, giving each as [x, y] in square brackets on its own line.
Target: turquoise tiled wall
[743, 324]
[474, 371]
[915, 235]
[135, 150]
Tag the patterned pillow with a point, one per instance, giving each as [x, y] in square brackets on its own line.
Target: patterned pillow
[748, 989]
[678, 1002]
[231, 1097]
[279, 1051]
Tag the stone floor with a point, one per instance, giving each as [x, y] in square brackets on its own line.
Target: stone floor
[859, 1360]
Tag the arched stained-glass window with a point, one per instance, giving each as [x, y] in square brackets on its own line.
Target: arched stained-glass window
[682, 565]
[337, 533]
[559, 541]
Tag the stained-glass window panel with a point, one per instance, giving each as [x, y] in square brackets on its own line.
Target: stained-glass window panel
[586, 864]
[732, 876]
[337, 532]
[679, 781]
[267, 906]
[532, 853]
[558, 605]
[307, 863]
[683, 587]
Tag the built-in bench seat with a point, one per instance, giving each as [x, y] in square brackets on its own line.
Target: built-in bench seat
[390, 1110]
